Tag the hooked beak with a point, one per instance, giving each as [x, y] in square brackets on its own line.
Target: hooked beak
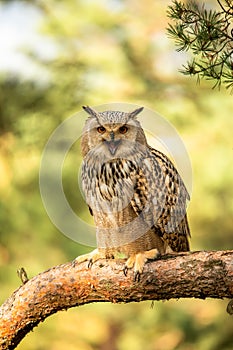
[112, 145]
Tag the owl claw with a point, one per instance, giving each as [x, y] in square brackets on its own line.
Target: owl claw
[137, 276]
[137, 262]
[90, 258]
[125, 270]
[90, 263]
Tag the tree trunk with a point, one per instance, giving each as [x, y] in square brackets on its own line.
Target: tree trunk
[185, 275]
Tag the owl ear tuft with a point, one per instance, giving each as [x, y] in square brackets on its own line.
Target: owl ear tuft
[135, 112]
[91, 111]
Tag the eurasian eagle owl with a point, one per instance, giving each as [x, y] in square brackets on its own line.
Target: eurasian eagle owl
[134, 192]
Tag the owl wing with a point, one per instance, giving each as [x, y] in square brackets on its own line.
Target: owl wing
[160, 196]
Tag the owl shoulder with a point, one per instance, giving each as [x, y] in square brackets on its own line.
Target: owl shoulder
[172, 176]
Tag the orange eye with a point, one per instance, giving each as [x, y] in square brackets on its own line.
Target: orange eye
[101, 129]
[123, 129]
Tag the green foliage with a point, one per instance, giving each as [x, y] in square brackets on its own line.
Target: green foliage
[208, 35]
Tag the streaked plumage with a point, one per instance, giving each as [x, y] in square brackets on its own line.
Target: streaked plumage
[134, 192]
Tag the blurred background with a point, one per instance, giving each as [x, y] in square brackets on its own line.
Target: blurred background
[55, 57]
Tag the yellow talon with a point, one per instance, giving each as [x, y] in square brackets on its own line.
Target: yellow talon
[90, 257]
[137, 261]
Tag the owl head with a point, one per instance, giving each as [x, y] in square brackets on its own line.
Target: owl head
[112, 133]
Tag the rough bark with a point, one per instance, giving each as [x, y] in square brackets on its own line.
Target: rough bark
[186, 275]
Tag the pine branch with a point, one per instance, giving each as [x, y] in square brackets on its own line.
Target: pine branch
[208, 35]
[184, 275]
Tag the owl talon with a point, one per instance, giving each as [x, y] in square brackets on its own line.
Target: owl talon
[137, 262]
[90, 258]
[90, 263]
[125, 270]
[137, 276]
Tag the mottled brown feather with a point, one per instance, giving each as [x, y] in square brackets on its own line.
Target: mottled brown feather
[136, 195]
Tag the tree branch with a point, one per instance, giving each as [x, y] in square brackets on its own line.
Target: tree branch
[185, 275]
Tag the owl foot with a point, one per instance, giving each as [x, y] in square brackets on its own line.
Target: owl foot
[137, 262]
[90, 257]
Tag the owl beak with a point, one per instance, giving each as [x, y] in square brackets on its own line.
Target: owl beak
[112, 145]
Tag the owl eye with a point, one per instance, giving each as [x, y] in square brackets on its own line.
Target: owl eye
[101, 129]
[123, 129]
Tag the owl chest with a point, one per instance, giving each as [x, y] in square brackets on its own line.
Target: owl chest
[109, 185]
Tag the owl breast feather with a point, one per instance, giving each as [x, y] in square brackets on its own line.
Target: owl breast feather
[111, 184]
